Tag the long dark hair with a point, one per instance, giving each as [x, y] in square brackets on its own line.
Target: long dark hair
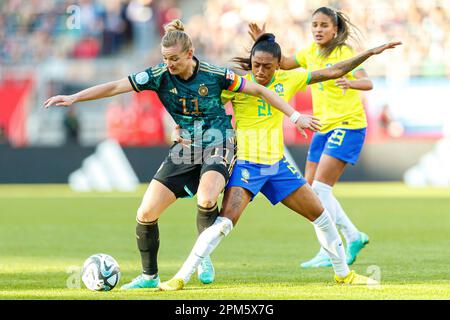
[265, 43]
[345, 30]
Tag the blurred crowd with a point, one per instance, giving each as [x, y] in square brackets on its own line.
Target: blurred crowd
[47, 37]
[220, 32]
[32, 31]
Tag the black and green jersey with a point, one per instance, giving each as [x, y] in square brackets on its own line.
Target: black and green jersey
[195, 104]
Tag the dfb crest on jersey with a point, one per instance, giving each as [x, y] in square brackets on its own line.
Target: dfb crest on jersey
[203, 90]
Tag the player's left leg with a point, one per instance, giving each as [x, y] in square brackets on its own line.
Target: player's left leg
[305, 202]
[211, 185]
[215, 173]
[289, 187]
[217, 165]
[342, 147]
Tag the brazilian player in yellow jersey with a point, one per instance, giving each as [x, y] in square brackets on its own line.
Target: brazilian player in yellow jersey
[267, 171]
[259, 127]
[338, 104]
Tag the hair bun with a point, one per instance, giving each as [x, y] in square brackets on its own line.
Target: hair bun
[270, 37]
[174, 25]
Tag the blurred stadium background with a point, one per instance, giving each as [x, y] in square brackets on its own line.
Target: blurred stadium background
[62, 46]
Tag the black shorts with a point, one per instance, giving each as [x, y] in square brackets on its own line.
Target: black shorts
[183, 167]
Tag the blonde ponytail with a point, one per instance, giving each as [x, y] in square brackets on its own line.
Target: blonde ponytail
[174, 25]
[175, 34]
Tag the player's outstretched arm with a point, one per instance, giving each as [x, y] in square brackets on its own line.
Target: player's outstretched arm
[344, 67]
[301, 121]
[362, 82]
[287, 63]
[97, 92]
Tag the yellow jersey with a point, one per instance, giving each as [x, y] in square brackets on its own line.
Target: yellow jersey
[259, 126]
[334, 107]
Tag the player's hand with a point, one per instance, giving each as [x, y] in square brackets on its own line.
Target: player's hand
[307, 122]
[255, 31]
[390, 45]
[176, 136]
[63, 101]
[343, 83]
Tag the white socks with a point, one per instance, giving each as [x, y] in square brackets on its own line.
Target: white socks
[210, 238]
[346, 227]
[149, 276]
[206, 242]
[331, 242]
[325, 194]
[338, 215]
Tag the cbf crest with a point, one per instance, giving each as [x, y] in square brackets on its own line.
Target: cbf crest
[203, 90]
[245, 175]
[279, 88]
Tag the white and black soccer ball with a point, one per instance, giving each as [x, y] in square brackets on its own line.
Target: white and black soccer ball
[101, 272]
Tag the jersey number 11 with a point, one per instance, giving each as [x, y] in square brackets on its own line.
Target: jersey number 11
[185, 109]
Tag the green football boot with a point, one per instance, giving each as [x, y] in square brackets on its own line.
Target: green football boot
[354, 247]
[320, 260]
[141, 283]
[205, 271]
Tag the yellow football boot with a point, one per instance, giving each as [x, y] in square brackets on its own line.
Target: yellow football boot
[355, 279]
[173, 284]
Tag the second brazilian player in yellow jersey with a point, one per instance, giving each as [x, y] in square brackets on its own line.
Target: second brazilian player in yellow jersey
[335, 107]
[259, 127]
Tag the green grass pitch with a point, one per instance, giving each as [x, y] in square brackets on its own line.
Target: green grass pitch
[47, 231]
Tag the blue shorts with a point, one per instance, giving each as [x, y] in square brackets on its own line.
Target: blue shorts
[275, 181]
[342, 144]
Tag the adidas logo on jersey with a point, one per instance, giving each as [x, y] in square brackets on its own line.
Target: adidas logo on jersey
[174, 91]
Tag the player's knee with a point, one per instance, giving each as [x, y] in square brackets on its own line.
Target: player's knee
[146, 214]
[206, 200]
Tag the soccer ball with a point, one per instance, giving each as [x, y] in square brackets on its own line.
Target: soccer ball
[100, 272]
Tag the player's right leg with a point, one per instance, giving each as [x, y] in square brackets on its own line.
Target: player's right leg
[173, 180]
[156, 199]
